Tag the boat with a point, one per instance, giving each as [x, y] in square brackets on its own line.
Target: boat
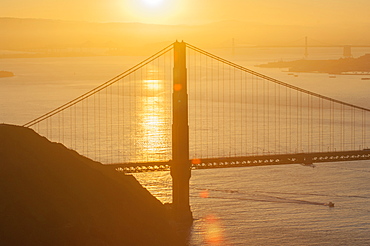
[330, 205]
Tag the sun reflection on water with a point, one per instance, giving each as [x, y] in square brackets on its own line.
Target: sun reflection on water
[154, 123]
[152, 84]
[213, 231]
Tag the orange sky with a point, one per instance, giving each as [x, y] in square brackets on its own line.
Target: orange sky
[313, 12]
[249, 22]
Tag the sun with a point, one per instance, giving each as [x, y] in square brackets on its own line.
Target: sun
[153, 3]
[154, 11]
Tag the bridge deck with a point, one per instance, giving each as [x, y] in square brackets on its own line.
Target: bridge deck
[249, 161]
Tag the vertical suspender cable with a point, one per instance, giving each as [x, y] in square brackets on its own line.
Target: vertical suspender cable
[253, 114]
[218, 110]
[297, 117]
[264, 116]
[286, 120]
[275, 121]
[257, 115]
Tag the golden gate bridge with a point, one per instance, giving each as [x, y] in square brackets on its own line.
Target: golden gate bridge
[184, 108]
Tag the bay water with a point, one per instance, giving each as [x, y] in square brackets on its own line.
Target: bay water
[271, 205]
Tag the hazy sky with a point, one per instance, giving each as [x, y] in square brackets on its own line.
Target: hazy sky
[307, 12]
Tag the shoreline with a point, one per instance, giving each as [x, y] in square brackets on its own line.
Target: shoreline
[345, 66]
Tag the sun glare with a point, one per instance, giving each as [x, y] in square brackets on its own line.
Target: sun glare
[155, 11]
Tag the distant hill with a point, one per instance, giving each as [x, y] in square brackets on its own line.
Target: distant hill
[39, 35]
[50, 195]
[70, 38]
[4, 74]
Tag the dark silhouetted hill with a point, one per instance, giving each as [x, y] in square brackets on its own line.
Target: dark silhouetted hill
[50, 195]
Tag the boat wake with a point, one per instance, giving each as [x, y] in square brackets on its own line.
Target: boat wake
[260, 197]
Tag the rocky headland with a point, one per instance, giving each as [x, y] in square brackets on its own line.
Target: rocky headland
[51, 195]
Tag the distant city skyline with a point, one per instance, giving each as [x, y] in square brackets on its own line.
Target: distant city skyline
[181, 12]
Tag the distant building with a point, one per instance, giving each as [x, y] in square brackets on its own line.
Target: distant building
[347, 53]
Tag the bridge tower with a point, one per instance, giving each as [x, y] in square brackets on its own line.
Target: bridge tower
[180, 165]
